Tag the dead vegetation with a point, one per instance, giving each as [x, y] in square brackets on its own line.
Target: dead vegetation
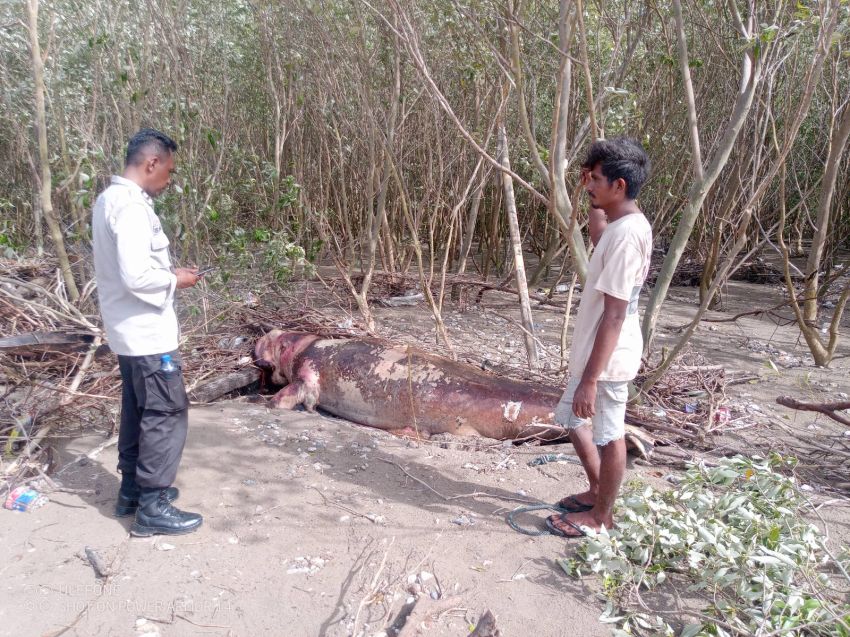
[57, 373]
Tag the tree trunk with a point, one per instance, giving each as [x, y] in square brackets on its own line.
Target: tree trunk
[553, 176]
[38, 220]
[45, 198]
[516, 243]
[705, 303]
[750, 76]
[561, 204]
[821, 353]
[837, 144]
[470, 223]
[552, 250]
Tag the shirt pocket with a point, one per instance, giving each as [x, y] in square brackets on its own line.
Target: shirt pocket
[159, 250]
[159, 242]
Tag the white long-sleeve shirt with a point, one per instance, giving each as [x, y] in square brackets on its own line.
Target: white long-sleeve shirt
[135, 283]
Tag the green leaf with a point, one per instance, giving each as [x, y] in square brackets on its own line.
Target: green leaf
[691, 630]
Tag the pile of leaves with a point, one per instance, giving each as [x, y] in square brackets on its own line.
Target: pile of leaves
[731, 539]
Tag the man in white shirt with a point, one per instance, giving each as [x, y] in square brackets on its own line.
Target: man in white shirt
[136, 285]
[607, 342]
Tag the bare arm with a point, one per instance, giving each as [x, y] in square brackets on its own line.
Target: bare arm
[603, 346]
[597, 221]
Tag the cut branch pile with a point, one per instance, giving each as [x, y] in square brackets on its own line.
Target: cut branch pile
[464, 288]
[56, 370]
[686, 403]
[690, 271]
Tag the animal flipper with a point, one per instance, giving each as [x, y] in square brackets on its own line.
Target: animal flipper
[290, 396]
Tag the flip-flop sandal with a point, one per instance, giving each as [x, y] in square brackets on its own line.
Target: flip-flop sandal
[571, 505]
[554, 530]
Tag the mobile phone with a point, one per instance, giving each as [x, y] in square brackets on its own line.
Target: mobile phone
[206, 269]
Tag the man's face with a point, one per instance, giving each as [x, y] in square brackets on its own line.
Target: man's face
[158, 170]
[600, 191]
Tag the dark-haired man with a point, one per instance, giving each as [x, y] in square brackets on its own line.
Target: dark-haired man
[136, 285]
[607, 343]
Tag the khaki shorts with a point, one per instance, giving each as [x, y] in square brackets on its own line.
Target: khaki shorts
[609, 422]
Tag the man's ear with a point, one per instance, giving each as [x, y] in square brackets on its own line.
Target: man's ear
[622, 185]
[151, 163]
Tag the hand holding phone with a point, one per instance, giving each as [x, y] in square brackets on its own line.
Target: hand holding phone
[206, 270]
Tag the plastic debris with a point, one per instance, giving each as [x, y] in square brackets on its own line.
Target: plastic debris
[722, 416]
[552, 457]
[25, 499]
[308, 565]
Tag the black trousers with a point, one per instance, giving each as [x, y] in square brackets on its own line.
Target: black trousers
[154, 419]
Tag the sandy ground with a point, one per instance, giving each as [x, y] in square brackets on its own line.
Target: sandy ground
[310, 525]
[314, 526]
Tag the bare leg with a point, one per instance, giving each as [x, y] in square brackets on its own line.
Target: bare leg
[612, 468]
[588, 453]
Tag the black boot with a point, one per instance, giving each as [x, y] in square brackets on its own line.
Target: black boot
[155, 515]
[128, 495]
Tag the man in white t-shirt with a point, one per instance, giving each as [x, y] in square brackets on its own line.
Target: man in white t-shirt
[607, 342]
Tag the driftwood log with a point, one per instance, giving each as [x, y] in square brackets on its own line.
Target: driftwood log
[828, 409]
[221, 385]
[38, 343]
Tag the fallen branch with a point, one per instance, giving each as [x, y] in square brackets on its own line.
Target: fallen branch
[828, 409]
[732, 319]
[209, 391]
[373, 588]
[113, 440]
[64, 400]
[41, 342]
[422, 612]
[632, 420]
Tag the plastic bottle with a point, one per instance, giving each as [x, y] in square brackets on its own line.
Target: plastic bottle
[167, 364]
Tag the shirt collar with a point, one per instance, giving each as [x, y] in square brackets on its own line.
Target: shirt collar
[121, 181]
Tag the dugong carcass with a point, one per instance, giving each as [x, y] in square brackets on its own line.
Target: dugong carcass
[405, 390]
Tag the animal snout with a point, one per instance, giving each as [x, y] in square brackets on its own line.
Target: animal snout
[263, 364]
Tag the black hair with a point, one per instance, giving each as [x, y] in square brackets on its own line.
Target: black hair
[144, 139]
[621, 157]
